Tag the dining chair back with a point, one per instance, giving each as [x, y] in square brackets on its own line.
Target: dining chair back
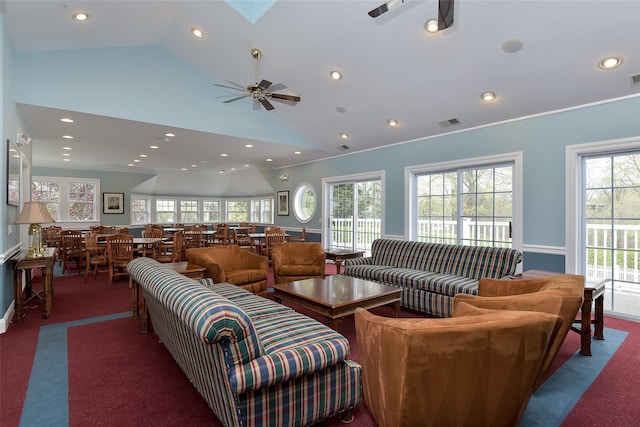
[96, 256]
[192, 237]
[170, 251]
[242, 239]
[271, 236]
[119, 252]
[222, 234]
[72, 249]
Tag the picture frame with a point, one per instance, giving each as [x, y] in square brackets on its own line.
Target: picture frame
[13, 174]
[283, 203]
[112, 203]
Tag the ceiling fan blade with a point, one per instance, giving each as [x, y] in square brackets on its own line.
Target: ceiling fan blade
[235, 84]
[230, 87]
[235, 99]
[276, 87]
[385, 7]
[264, 84]
[445, 14]
[266, 104]
[280, 96]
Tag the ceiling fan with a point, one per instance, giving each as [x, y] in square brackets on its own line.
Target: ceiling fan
[262, 90]
[445, 11]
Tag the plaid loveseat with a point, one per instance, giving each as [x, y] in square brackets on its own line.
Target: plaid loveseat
[255, 362]
[430, 274]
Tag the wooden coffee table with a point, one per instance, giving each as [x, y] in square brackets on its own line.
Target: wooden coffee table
[337, 296]
[338, 255]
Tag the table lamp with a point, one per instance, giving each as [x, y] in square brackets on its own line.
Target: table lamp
[34, 213]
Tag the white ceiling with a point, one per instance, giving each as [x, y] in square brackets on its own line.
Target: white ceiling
[392, 69]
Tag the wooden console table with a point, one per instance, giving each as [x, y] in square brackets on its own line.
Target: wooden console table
[24, 265]
[338, 255]
[593, 296]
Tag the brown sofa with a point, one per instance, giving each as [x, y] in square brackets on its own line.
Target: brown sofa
[297, 261]
[232, 264]
[476, 368]
[567, 289]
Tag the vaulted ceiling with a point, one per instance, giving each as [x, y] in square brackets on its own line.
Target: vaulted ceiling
[536, 56]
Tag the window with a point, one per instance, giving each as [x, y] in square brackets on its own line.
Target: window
[68, 199]
[467, 203]
[188, 211]
[140, 210]
[165, 211]
[354, 210]
[262, 210]
[210, 211]
[304, 202]
[237, 211]
[604, 194]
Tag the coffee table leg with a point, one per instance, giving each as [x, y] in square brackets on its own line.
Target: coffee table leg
[338, 262]
[334, 323]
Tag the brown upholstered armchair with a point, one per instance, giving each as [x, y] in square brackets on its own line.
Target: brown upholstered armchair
[475, 368]
[232, 264]
[507, 295]
[297, 261]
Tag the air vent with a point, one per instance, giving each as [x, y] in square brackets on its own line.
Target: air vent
[635, 80]
[449, 122]
[343, 147]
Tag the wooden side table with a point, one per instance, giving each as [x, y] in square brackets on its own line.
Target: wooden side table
[339, 255]
[593, 297]
[136, 304]
[23, 264]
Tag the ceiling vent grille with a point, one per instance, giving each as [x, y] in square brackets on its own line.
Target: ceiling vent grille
[635, 80]
[343, 147]
[449, 122]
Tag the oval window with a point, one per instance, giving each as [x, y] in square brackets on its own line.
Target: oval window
[304, 202]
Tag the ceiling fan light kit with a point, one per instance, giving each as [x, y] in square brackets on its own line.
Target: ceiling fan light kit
[259, 91]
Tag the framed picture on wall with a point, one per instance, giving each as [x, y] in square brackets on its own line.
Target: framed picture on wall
[112, 203]
[283, 203]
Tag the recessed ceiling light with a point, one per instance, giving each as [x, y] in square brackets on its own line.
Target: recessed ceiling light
[137, 161]
[66, 154]
[81, 16]
[233, 169]
[130, 164]
[248, 145]
[183, 169]
[197, 33]
[154, 147]
[66, 148]
[610, 63]
[221, 171]
[392, 122]
[194, 166]
[224, 155]
[335, 75]
[170, 135]
[66, 120]
[297, 152]
[247, 165]
[488, 96]
[344, 135]
[268, 160]
[67, 136]
[512, 46]
[431, 26]
[67, 160]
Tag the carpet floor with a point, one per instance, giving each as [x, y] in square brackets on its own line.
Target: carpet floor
[90, 365]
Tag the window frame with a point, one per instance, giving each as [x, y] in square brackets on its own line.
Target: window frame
[298, 196]
[412, 172]
[63, 203]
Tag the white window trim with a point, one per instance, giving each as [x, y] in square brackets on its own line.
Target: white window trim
[297, 201]
[326, 187]
[410, 173]
[64, 200]
[574, 221]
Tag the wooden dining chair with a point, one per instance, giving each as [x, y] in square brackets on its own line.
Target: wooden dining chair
[119, 253]
[192, 237]
[53, 239]
[96, 256]
[301, 238]
[222, 235]
[271, 236]
[242, 239]
[72, 249]
[170, 251]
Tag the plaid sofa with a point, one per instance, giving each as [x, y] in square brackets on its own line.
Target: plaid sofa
[255, 362]
[430, 274]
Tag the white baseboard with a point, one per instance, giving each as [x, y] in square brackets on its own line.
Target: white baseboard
[6, 319]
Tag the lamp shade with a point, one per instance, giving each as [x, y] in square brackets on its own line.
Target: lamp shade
[34, 213]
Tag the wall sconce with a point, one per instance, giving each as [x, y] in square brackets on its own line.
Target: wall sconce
[283, 177]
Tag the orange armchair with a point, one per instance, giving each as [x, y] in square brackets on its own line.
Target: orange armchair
[297, 261]
[475, 368]
[566, 290]
[232, 264]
